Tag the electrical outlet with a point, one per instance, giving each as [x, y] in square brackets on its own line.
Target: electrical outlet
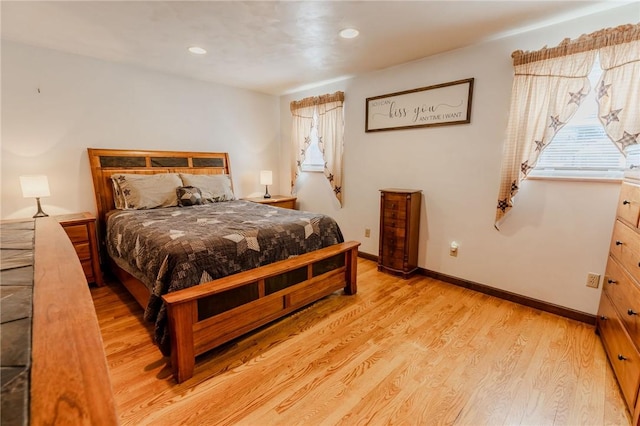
[593, 280]
[367, 232]
[453, 249]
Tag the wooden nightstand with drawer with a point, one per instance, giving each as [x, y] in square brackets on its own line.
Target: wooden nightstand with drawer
[81, 229]
[286, 202]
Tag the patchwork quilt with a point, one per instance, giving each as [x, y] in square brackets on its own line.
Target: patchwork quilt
[173, 248]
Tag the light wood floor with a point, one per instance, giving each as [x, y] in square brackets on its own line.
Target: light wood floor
[411, 352]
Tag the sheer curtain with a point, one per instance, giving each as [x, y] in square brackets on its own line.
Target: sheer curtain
[618, 91]
[331, 140]
[302, 114]
[545, 95]
[330, 126]
[549, 86]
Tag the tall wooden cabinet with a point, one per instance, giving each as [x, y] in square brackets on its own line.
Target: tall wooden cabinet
[399, 227]
[618, 321]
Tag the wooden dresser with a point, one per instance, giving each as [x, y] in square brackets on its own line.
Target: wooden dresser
[81, 229]
[399, 227]
[618, 322]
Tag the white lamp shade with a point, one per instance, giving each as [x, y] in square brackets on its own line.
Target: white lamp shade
[266, 177]
[34, 186]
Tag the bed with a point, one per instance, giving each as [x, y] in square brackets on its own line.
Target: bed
[217, 297]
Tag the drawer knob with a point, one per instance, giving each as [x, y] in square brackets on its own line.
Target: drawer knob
[603, 318]
[618, 242]
[622, 357]
[631, 312]
[610, 281]
[625, 202]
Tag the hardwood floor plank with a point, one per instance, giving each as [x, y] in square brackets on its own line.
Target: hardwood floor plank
[416, 351]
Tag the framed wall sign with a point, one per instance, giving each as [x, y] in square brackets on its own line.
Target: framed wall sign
[440, 105]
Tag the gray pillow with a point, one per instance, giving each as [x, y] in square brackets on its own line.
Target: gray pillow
[189, 196]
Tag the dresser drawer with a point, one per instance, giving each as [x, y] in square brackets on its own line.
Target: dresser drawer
[391, 233]
[390, 223]
[629, 203]
[77, 233]
[623, 356]
[625, 296]
[397, 216]
[395, 201]
[83, 250]
[625, 247]
[393, 259]
[87, 267]
[288, 204]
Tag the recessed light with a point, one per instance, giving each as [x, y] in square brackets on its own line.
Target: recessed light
[197, 50]
[349, 33]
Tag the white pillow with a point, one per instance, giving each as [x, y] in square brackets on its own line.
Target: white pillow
[148, 191]
[214, 188]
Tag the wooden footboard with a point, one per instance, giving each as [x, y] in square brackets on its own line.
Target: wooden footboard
[306, 279]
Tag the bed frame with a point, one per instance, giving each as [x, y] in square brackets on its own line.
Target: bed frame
[307, 277]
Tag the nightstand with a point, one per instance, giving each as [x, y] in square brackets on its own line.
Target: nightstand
[81, 229]
[276, 201]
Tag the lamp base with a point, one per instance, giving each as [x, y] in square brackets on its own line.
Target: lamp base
[266, 192]
[39, 213]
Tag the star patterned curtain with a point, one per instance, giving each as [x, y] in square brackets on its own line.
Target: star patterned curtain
[330, 127]
[331, 141]
[545, 95]
[302, 114]
[618, 92]
[549, 86]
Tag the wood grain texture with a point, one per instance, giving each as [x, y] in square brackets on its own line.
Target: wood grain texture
[415, 351]
[69, 375]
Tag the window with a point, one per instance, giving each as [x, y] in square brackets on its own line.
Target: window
[313, 160]
[582, 149]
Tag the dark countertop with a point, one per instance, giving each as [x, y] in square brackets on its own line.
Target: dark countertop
[16, 299]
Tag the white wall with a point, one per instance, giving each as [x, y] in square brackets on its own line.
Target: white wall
[557, 233]
[85, 103]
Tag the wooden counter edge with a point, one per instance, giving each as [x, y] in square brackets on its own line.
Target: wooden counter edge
[70, 381]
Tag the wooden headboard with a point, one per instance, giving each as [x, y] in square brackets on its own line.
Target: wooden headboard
[107, 162]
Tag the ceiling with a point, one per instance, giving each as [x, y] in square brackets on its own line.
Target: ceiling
[273, 47]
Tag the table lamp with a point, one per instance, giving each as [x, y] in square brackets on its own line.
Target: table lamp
[35, 187]
[266, 179]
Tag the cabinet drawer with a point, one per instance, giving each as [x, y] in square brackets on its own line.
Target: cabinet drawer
[394, 233]
[625, 296]
[393, 259]
[389, 223]
[395, 216]
[83, 250]
[395, 201]
[288, 204]
[623, 356]
[625, 247]
[629, 203]
[87, 267]
[392, 244]
[77, 233]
